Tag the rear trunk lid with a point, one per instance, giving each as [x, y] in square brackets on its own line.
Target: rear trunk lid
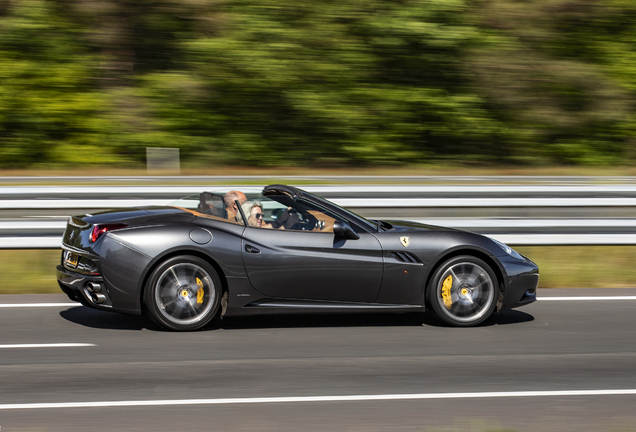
[77, 234]
[79, 228]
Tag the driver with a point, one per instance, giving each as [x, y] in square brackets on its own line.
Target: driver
[230, 199]
[286, 220]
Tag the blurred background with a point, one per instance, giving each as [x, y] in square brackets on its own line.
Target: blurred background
[324, 88]
[511, 118]
[328, 83]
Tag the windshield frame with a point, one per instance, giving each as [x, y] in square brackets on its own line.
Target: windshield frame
[252, 193]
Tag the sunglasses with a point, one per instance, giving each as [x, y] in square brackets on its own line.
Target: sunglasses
[258, 215]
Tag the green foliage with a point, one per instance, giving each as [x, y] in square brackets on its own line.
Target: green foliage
[281, 82]
[48, 102]
[553, 71]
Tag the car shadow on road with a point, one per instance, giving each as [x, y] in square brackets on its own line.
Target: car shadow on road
[356, 320]
[94, 318]
[508, 317]
[115, 321]
[318, 320]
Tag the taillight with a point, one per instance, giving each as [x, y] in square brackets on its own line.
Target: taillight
[99, 230]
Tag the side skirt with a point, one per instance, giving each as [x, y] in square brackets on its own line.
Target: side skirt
[290, 306]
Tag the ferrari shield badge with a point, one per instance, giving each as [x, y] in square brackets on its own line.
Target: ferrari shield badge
[404, 241]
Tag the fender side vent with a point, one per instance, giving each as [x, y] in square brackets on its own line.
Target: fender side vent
[405, 257]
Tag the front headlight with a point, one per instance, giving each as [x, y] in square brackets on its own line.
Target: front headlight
[510, 251]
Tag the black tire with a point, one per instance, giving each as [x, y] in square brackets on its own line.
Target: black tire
[463, 292]
[183, 293]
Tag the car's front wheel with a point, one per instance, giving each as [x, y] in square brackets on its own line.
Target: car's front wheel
[463, 291]
[183, 293]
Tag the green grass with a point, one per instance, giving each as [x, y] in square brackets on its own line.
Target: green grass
[583, 266]
[274, 174]
[33, 271]
[28, 271]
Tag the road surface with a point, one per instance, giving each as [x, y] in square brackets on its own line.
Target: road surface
[560, 364]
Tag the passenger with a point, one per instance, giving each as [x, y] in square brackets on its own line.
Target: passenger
[230, 199]
[253, 210]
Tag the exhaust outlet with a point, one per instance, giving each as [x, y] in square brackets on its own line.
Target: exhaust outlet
[93, 287]
[98, 298]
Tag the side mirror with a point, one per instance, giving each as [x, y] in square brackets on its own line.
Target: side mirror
[342, 229]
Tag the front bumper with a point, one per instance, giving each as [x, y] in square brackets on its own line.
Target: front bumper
[522, 283]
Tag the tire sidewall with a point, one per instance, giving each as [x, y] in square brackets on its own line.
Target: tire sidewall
[431, 291]
[151, 286]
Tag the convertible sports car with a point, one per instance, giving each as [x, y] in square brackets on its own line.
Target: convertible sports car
[283, 250]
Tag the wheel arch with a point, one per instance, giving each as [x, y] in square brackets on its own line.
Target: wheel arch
[174, 253]
[488, 259]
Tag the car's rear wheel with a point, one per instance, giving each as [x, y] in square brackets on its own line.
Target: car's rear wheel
[463, 291]
[183, 293]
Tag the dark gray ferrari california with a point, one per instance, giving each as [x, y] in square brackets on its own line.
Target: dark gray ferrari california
[283, 250]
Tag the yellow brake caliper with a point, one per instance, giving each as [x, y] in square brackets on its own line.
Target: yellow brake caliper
[200, 292]
[446, 291]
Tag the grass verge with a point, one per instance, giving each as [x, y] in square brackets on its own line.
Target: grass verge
[33, 271]
[29, 271]
[583, 266]
[273, 174]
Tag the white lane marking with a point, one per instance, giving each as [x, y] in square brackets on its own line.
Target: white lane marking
[52, 345]
[226, 401]
[24, 305]
[587, 298]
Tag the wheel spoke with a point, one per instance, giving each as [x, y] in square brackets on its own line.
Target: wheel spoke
[476, 274]
[175, 276]
[455, 278]
[176, 311]
[168, 304]
[478, 287]
[190, 308]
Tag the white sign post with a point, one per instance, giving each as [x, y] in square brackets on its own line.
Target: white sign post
[162, 159]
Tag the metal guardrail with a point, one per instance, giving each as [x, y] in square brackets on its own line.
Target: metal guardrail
[345, 202]
[568, 213]
[325, 189]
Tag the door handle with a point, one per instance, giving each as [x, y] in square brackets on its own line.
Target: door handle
[251, 249]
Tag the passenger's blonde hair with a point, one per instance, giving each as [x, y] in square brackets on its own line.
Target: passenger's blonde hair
[247, 207]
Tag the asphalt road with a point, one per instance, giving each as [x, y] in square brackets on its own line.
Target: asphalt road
[549, 346]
